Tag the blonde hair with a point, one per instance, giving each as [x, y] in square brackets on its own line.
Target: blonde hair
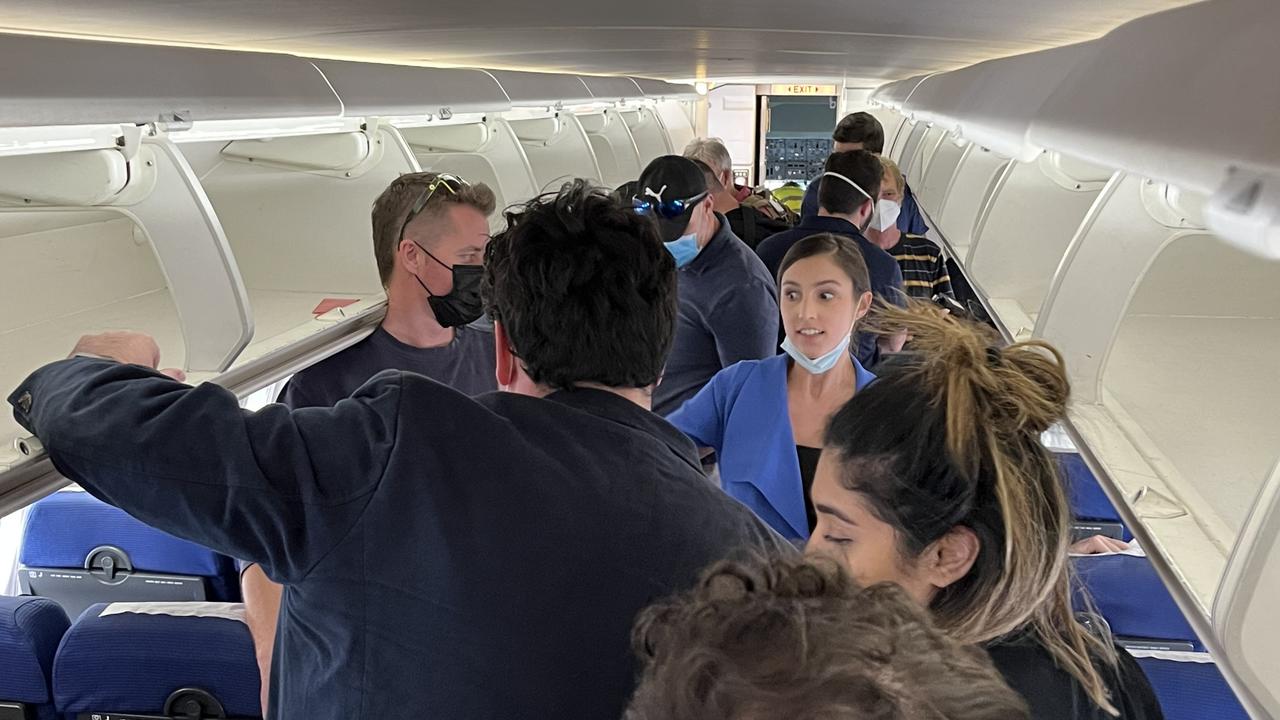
[954, 440]
[892, 170]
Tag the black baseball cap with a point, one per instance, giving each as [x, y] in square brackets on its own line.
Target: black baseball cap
[670, 178]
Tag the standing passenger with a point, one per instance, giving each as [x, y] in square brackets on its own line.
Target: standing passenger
[749, 224]
[765, 418]
[924, 270]
[728, 310]
[935, 478]
[442, 556]
[850, 187]
[429, 235]
[862, 131]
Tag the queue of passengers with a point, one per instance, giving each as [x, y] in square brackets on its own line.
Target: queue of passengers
[417, 545]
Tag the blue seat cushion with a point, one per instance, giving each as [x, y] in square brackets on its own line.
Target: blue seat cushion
[30, 630]
[1192, 691]
[63, 528]
[1088, 500]
[1131, 597]
[132, 662]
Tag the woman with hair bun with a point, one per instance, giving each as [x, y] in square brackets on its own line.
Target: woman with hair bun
[934, 478]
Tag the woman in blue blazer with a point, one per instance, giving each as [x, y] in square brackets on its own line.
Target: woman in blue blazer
[765, 418]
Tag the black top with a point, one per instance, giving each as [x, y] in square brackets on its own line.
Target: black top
[1053, 694]
[443, 557]
[466, 365]
[808, 457]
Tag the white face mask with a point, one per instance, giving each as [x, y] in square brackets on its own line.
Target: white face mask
[885, 214]
[857, 187]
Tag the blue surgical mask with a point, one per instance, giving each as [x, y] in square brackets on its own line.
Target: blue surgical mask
[818, 365]
[684, 249]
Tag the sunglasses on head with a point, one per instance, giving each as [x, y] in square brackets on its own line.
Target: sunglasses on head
[451, 184]
[669, 209]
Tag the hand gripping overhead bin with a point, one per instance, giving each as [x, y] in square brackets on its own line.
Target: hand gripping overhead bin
[554, 141]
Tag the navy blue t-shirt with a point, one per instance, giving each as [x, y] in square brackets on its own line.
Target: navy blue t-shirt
[910, 221]
[886, 274]
[728, 312]
[466, 365]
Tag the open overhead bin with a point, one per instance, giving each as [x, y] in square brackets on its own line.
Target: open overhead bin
[449, 118]
[611, 89]
[614, 146]
[663, 90]
[294, 202]
[955, 212]
[1200, 120]
[553, 140]
[1023, 231]
[649, 133]
[673, 105]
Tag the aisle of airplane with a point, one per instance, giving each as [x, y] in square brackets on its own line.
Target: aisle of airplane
[1119, 197]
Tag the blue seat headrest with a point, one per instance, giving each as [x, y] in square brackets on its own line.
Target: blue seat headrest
[30, 630]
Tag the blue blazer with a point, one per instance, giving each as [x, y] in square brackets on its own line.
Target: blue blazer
[742, 414]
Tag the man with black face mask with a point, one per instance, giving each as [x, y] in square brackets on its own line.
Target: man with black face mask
[429, 235]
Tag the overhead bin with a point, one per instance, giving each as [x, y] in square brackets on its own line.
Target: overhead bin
[557, 148]
[55, 81]
[663, 90]
[1204, 121]
[294, 202]
[973, 185]
[1024, 230]
[993, 103]
[1171, 339]
[532, 89]
[935, 181]
[614, 146]
[371, 89]
[894, 95]
[611, 89]
[115, 235]
[483, 150]
[648, 132]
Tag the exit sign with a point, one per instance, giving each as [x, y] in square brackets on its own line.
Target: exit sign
[803, 90]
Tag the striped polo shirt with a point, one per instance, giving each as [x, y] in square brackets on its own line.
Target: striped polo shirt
[924, 271]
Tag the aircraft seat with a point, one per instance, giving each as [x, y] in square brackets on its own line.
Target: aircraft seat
[79, 550]
[1092, 510]
[30, 630]
[1128, 593]
[186, 661]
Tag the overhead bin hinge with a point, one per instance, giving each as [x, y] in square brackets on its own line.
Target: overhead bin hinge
[130, 141]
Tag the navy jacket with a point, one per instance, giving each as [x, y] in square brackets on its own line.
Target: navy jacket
[444, 557]
[886, 274]
[728, 312]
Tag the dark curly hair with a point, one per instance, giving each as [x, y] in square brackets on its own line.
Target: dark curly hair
[798, 639]
[584, 290]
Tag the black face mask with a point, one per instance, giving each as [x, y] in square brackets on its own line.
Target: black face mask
[462, 305]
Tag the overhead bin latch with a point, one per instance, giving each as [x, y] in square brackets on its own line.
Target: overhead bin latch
[445, 113]
[175, 120]
[1245, 212]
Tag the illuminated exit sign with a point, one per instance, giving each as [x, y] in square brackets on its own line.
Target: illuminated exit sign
[803, 90]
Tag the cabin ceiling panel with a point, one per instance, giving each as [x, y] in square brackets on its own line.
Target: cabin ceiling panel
[867, 40]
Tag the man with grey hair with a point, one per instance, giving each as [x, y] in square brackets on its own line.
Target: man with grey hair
[748, 223]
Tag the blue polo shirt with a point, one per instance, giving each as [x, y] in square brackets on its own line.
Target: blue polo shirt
[728, 313]
[886, 275]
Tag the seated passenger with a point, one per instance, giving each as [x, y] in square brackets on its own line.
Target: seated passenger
[749, 224]
[850, 186]
[728, 307]
[934, 477]
[924, 270]
[442, 556]
[765, 418]
[429, 236]
[862, 131]
[800, 640]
